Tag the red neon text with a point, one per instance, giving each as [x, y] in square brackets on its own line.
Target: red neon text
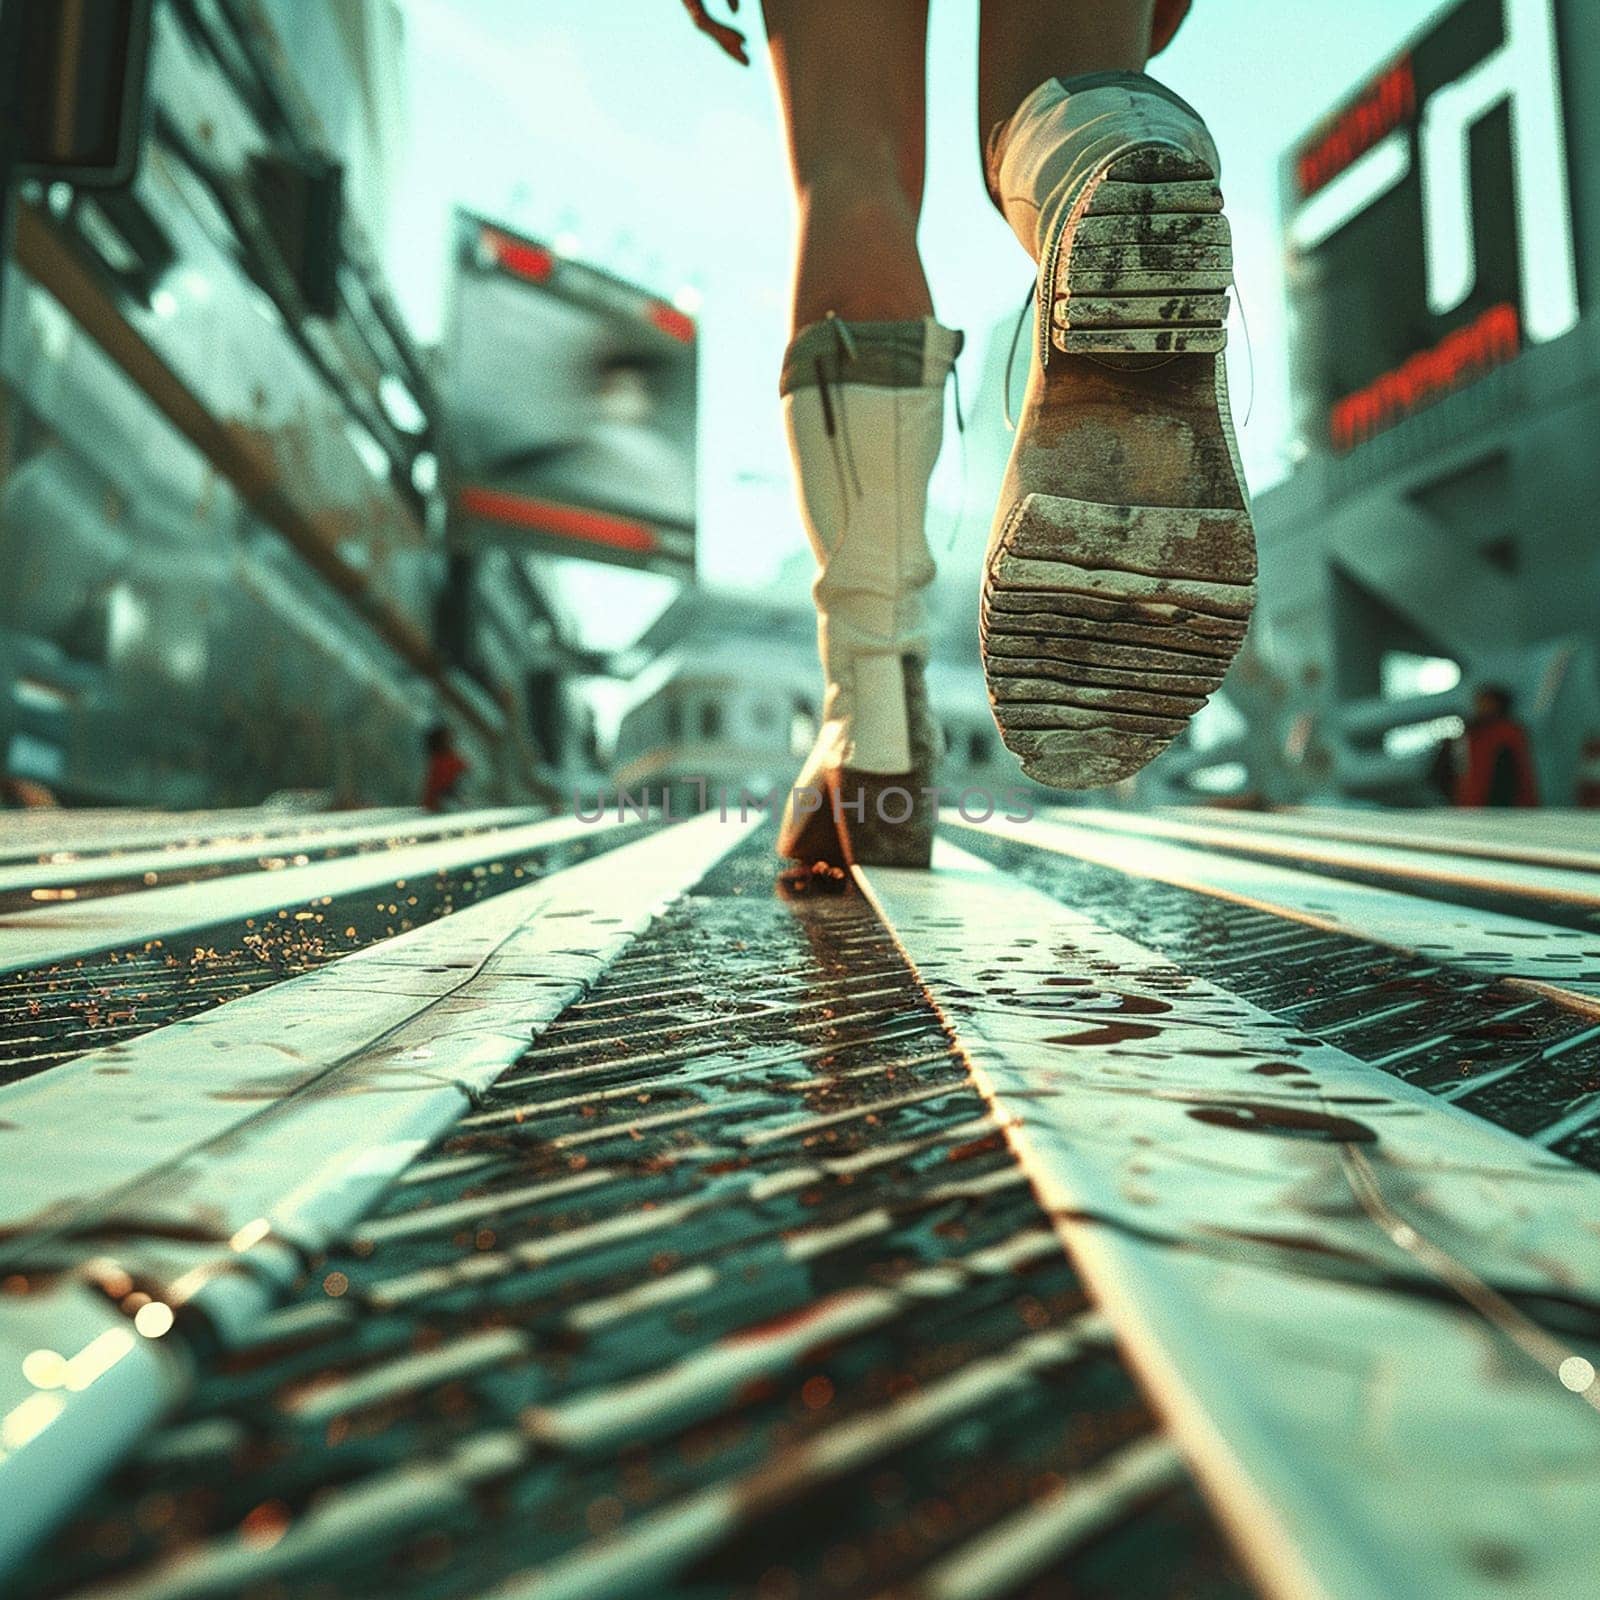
[671, 321]
[1490, 341]
[1389, 101]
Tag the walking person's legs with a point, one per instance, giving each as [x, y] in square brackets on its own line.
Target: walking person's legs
[863, 398]
[1120, 570]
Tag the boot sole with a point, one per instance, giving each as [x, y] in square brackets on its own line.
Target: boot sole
[835, 834]
[1106, 623]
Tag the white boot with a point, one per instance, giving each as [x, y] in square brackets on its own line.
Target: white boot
[1120, 572]
[1067, 134]
[863, 406]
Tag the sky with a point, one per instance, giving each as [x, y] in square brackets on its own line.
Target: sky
[613, 126]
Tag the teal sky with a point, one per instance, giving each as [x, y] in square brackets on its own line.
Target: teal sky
[612, 125]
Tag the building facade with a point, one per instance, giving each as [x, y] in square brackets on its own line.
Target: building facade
[1439, 532]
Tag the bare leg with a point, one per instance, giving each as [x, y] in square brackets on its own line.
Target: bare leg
[863, 407]
[851, 80]
[1021, 43]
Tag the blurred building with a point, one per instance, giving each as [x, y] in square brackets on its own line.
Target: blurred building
[732, 694]
[1439, 530]
[161, 642]
[254, 538]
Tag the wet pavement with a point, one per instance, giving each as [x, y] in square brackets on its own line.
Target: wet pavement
[730, 1283]
[119, 988]
[1503, 1052]
[789, 1248]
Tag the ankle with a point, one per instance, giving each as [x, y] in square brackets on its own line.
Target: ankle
[858, 254]
[914, 352]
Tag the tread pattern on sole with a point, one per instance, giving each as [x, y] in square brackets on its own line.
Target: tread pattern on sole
[1073, 719]
[1113, 197]
[1052, 693]
[1088, 609]
[1161, 543]
[1096, 230]
[1142, 341]
[1097, 675]
[1159, 163]
[1106, 627]
[1145, 262]
[1113, 311]
[1167, 627]
[1064, 578]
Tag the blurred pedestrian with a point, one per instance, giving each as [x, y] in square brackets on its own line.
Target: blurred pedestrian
[1589, 774]
[1498, 769]
[446, 768]
[1124, 482]
[24, 794]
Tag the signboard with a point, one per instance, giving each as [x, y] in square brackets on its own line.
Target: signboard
[80, 93]
[570, 403]
[1430, 226]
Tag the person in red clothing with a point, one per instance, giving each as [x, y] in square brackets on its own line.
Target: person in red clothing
[446, 768]
[1499, 761]
[1589, 774]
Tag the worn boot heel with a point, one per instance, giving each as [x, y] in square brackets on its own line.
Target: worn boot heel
[872, 818]
[1145, 261]
[1113, 608]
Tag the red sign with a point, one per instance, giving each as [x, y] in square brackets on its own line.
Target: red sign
[571, 407]
[1389, 101]
[547, 516]
[1490, 341]
[1430, 220]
